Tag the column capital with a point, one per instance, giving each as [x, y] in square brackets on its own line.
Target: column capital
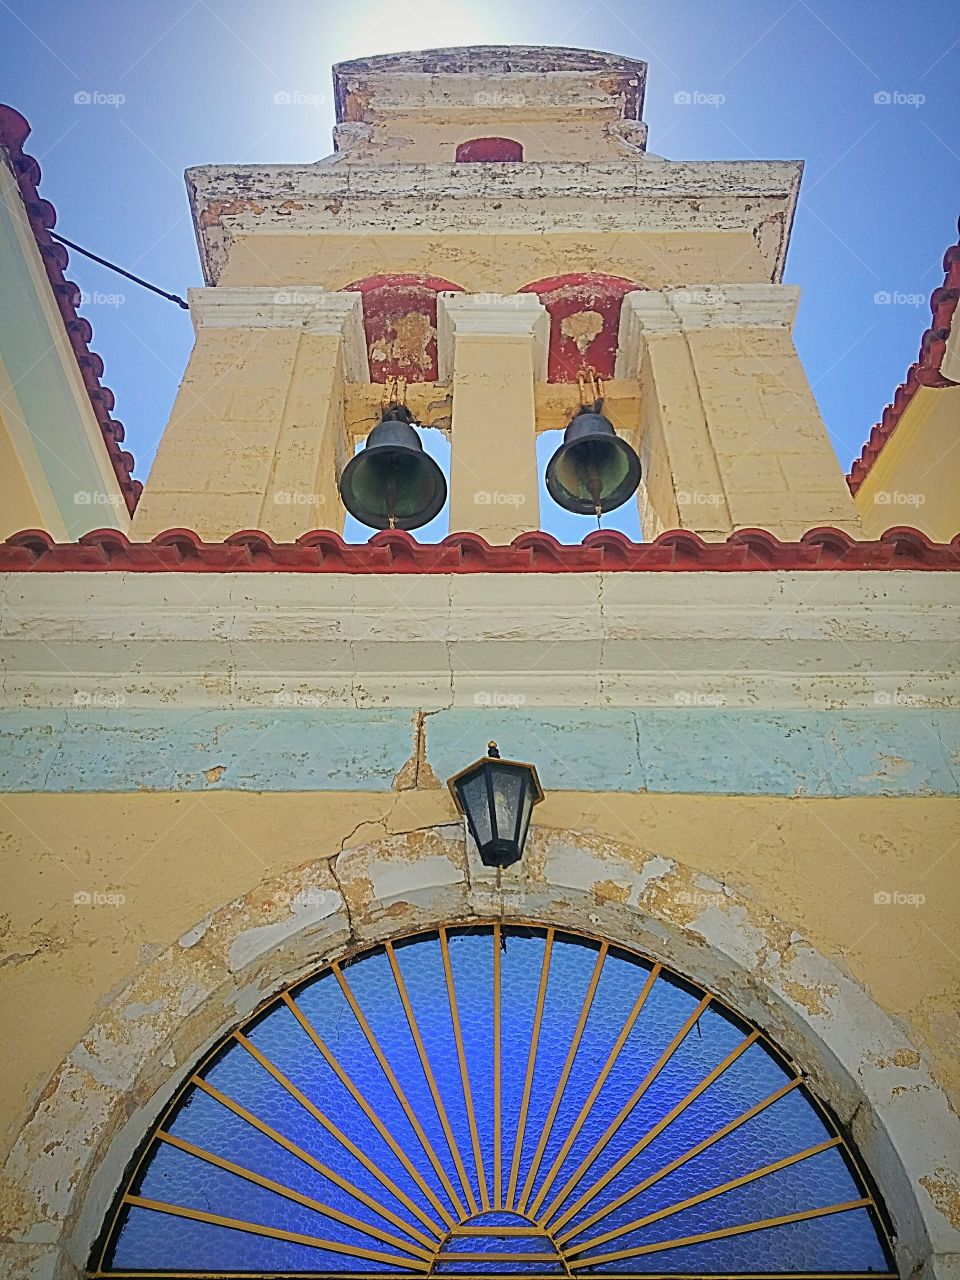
[488, 315]
[308, 307]
[707, 306]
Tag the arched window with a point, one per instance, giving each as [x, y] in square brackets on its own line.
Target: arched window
[496, 1100]
[489, 150]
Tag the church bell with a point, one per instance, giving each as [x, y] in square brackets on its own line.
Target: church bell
[392, 483]
[593, 471]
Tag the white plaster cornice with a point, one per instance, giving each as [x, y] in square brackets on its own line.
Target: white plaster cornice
[707, 306]
[763, 306]
[842, 641]
[638, 195]
[307, 307]
[487, 315]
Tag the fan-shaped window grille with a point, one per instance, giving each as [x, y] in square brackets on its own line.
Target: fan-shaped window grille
[496, 1100]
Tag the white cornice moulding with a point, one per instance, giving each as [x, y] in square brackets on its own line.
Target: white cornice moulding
[764, 306]
[707, 306]
[307, 307]
[843, 640]
[489, 315]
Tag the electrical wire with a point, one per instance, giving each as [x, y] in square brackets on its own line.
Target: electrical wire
[112, 266]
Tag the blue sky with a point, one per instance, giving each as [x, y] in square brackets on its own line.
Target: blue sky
[184, 82]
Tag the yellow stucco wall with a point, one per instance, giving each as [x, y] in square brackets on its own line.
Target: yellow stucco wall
[915, 479]
[815, 864]
[252, 439]
[411, 141]
[491, 263]
[20, 508]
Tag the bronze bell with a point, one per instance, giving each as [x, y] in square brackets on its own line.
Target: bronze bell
[593, 470]
[392, 483]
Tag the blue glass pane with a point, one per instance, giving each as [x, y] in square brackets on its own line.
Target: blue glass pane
[386, 1127]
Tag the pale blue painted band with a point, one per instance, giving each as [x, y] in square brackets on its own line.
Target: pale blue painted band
[904, 752]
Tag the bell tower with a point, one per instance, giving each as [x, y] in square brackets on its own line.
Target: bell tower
[490, 229]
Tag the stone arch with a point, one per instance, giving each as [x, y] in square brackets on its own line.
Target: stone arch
[70, 1157]
[400, 324]
[584, 309]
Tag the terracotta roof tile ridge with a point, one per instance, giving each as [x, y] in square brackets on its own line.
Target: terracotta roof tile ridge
[14, 130]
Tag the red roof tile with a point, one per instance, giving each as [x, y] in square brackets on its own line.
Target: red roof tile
[607, 551]
[14, 130]
[924, 373]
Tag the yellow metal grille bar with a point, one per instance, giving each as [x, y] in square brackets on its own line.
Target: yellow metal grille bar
[564, 1077]
[277, 1233]
[657, 1129]
[289, 1193]
[464, 1073]
[595, 1090]
[670, 1210]
[722, 1234]
[401, 1097]
[497, 1116]
[621, 1115]
[321, 1168]
[362, 1103]
[432, 1085]
[531, 1063]
[326, 1123]
[680, 1160]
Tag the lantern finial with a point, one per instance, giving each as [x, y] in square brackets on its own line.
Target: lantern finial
[493, 750]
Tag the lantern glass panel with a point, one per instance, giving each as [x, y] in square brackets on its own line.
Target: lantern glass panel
[526, 809]
[473, 794]
[509, 784]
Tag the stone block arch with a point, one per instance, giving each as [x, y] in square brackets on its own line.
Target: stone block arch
[70, 1156]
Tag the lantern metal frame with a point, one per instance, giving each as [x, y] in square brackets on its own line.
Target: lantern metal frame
[499, 851]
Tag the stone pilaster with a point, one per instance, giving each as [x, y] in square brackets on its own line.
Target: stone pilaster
[732, 436]
[256, 437]
[493, 348]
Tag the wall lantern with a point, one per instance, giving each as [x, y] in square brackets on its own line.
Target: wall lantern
[497, 797]
[392, 483]
[593, 470]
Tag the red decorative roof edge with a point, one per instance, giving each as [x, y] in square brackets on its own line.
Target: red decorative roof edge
[924, 373]
[322, 551]
[14, 130]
